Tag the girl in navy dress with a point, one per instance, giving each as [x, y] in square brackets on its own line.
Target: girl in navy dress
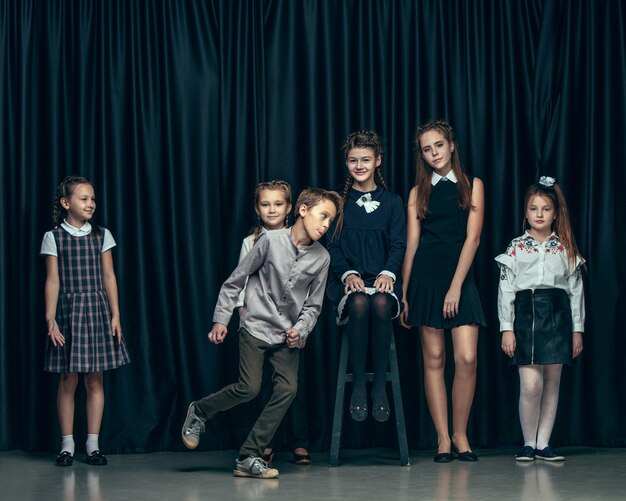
[444, 222]
[541, 309]
[82, 311]
[366, 254]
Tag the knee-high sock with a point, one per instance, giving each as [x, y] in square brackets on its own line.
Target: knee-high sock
[549, 403]
[357, 331]
[531, 388]
[382, 330]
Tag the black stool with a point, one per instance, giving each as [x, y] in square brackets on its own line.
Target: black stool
[344, 377]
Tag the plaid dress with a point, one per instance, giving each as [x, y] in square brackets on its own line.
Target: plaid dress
[83, 313]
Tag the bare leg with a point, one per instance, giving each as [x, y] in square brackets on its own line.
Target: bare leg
[65, 402]
[95, 401]
[434, 351]
[465, 340]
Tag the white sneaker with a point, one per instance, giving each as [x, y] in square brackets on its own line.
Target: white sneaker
[254, 467]
[192, 428]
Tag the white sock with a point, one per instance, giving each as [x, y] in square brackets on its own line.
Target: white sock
[549, 404]
[67, 444]
[92, 444]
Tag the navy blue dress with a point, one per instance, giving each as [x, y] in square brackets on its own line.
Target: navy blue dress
[443, 234]
[373, 239]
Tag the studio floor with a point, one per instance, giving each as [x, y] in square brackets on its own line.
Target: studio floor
[372, 474]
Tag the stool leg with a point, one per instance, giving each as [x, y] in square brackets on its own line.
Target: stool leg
[397, 404]
[339, 399]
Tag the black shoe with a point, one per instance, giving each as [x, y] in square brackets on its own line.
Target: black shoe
[358, 412]
[443, 457]
[548, 454]
[526, 453]
[381, 413]
[96, 459]
[467, 456]
[64, 459]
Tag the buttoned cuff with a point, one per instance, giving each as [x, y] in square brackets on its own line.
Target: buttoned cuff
[389, 274]
[349, 272]
[505, 326]
[579, 328]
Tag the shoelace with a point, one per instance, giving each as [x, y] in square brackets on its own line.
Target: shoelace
[196, 427]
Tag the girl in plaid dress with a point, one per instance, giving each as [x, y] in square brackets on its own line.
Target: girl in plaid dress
[82, 311]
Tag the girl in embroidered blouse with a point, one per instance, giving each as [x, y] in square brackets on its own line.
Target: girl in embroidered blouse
[272, 203]
[82, 311]
[366, 253]
[541, 311]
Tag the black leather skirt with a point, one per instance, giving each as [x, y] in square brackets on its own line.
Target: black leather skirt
[543, 327]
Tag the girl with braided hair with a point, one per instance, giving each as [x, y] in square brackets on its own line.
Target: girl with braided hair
[444, 221]
[366, 254]
[82, 311]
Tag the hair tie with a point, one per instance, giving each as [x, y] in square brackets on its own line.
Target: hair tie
[547, 181]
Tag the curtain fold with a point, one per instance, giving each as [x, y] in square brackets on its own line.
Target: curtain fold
[176, 110]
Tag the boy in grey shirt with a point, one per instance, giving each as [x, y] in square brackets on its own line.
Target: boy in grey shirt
[286, 273]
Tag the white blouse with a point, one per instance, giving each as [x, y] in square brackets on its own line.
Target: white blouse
[246, 245]
[49, 245]
[528, 264]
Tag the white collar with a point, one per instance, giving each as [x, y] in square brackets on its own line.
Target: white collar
[85, 229]
[449, 176]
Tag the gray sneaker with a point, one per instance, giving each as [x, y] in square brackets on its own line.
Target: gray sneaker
[192, 428]
[254, 467]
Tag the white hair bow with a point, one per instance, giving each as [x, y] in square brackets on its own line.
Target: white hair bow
[547, 181]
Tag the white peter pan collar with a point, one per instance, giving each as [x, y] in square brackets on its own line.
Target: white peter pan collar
[85, 229]
[449, 176]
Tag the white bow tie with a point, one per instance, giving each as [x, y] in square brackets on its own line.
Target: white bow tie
[367, 203]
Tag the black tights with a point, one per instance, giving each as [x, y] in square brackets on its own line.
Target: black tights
[369, 314]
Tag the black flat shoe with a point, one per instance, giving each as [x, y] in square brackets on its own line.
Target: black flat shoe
[64, 459]
[467, 456]
[443, 457]
[96, 459]
[381, 413]
[302, 459]
[358, 412]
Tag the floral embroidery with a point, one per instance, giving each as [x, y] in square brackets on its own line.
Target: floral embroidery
[553, 246]
[529, 245]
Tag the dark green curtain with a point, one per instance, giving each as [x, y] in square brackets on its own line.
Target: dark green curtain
[177, 109]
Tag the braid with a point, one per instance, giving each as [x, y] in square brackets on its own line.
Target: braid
[344, 199]
[379, 178]
[346, 190]
[65, 190]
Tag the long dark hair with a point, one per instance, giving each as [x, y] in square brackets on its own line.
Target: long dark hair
[66, 190]
[424, 172]
[361, 139]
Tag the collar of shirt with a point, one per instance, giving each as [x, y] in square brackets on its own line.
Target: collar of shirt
[527, 236]
[436, 177]
[85, 229]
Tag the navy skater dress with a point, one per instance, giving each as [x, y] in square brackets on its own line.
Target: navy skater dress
[443, 234]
